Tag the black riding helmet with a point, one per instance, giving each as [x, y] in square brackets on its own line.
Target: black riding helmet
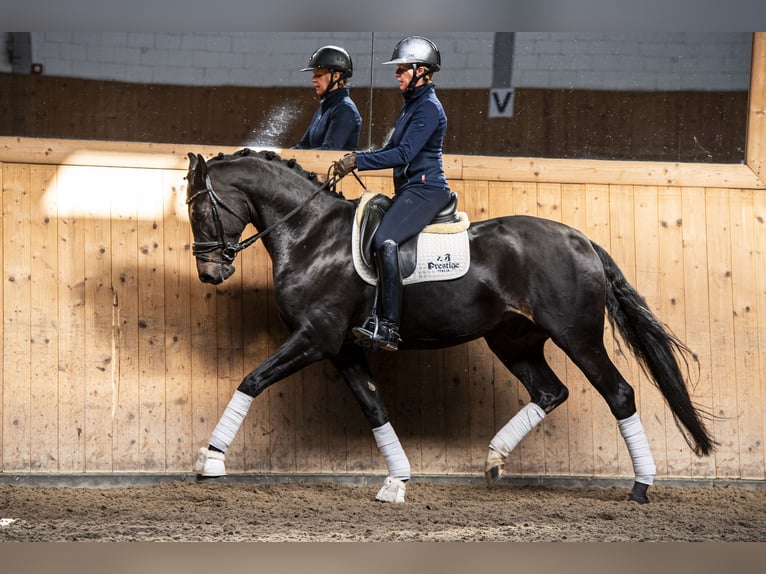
[331, 58]
[416, 51]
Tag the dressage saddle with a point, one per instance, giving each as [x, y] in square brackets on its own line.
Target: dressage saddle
[372, 215]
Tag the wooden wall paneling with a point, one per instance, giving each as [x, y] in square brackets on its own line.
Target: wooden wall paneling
[17, 410]
[746, 320]
[151, 321]
[647, 279]
[723, 368]
[581, 392]
[125, 249]
[178, 274]
[3, 278]
[755, 151]
[760, 271]
[44, 336]
[101, 335]
[71, 311]
[670, 309]
[258, 343]
[697, 312]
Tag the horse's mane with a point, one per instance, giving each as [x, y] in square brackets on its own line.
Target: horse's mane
[269, 155]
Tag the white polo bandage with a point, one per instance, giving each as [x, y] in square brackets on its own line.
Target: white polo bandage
[231, 420]
[516, 429]
[638, 447]
[388, 443]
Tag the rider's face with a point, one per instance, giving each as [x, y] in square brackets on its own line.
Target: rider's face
[404, 73]
[321, 79]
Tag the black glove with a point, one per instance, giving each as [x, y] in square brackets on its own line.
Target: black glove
[344, 165]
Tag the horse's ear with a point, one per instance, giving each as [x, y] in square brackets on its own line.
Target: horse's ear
[197, 171]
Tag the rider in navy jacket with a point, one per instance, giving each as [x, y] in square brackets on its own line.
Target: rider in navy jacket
[336, 123]
[415, 154]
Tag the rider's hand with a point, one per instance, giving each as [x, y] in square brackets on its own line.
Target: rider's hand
[345, 165]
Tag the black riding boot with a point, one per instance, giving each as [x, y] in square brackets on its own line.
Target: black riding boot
[383, 333]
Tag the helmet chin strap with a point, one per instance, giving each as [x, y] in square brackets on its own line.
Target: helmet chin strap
[415, 78]
[333, 82]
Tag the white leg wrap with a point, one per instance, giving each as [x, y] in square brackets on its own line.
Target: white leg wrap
[231, 420]
[638, 446]
[388, 443]
[516, 429]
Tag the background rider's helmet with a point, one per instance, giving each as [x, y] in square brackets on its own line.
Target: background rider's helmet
[331, 58]
[416, 50]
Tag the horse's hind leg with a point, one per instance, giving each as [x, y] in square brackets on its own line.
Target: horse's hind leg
[352, 364]
[591, 357]
[546, 392]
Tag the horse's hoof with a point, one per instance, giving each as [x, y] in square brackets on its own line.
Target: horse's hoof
[393, 490]
[210, 464]
[638, 494]
[493, 467]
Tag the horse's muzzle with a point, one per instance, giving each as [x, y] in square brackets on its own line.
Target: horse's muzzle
[215, 273]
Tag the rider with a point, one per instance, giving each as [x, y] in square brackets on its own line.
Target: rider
[336, 123]
[414, 151]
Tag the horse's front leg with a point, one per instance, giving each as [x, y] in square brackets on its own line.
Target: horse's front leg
[352, 363]
[294, 354]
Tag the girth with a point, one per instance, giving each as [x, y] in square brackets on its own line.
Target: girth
[372, 215]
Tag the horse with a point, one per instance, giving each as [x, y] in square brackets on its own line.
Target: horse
[530, 280]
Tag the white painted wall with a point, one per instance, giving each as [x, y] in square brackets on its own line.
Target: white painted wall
[630, 61]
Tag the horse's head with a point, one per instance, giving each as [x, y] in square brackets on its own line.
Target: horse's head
[217, 221]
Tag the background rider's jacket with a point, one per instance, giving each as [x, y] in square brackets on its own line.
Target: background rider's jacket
[415, 147]
[336, 124]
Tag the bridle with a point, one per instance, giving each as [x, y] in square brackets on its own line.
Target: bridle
[201, 249]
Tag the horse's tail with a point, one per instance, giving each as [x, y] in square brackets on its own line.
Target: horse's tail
[656, 349]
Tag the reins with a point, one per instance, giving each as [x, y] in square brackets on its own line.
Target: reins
[229, 250]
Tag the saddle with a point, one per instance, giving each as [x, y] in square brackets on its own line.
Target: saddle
[372, 213]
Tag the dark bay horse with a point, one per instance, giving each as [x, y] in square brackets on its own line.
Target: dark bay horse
[530, 280]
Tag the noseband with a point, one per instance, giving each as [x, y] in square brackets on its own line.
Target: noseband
[229, 250]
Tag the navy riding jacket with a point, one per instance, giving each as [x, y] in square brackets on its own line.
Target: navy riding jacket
[336, 124]
[415, 147]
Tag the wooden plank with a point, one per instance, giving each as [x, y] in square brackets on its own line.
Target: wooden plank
[178, 273]
[101, 366]
[543, 170]
[581, 392]
[696, 306]
[474, 167]
[745, 321]
[124, 238]
[44, 339]
[755, 151]
[722, 368]
[670, 308]
[151, 323]
[646, 249]
[759, 248]
[2, 319]
[17, 408]
[71, 320]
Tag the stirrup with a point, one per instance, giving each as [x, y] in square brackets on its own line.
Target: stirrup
[369, 335]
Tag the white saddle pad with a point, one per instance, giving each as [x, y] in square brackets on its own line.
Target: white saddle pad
[442, 255]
